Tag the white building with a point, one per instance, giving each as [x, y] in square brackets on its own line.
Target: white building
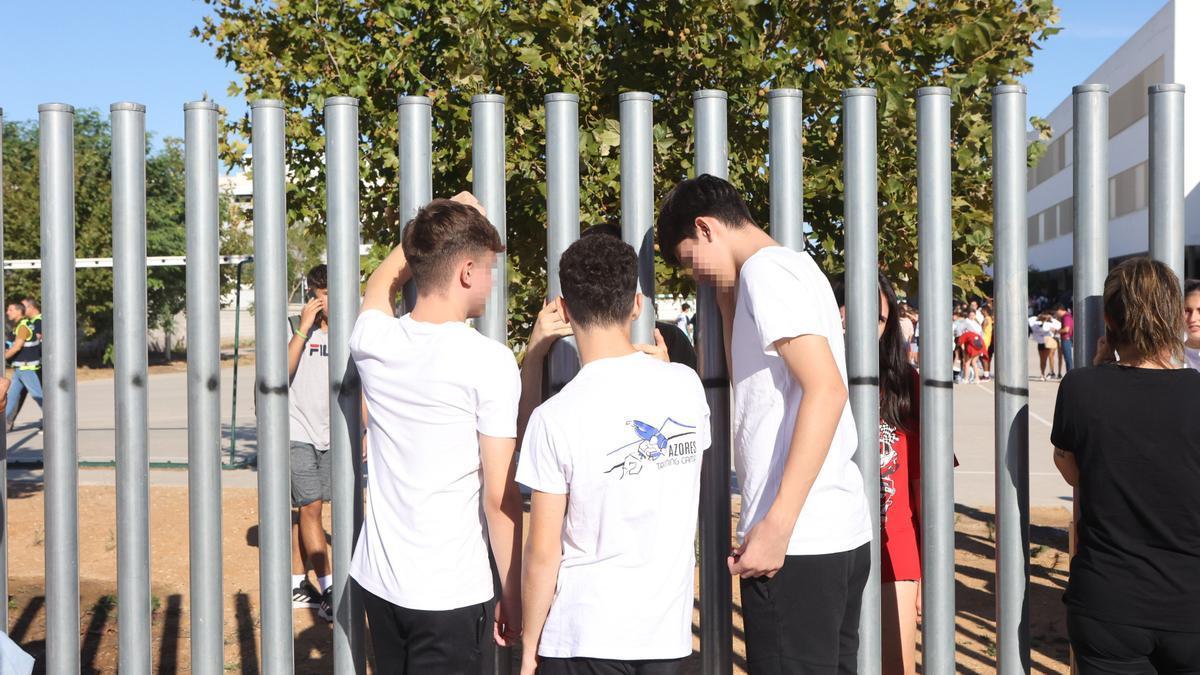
[1165, 49]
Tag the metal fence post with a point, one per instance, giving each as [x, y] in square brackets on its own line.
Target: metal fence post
[271, 336]
[935, 233]
[862, 337]
[416, 167]
[487, 165]
[345, 422]
[1166, 176]
[1090, 177]
[57, 173]
[204, 384]
[129, 341]
[716, 590]
[562, 218]
[1011, 276]
[637, 199]
[786, 130]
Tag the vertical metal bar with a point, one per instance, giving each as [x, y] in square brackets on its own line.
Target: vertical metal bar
[562, 217]
[237, 339]
[1166, 176]
[57, 166]
[129, 341]
[716, 599]
[637, 199]
[416, 167]
[1011, 275]
[487, 165]
[3, 427]
[862, 334]
[937, 393]
[204, 385]
[345, 423]
[1090, 176]
[786, 128]
[270, 333]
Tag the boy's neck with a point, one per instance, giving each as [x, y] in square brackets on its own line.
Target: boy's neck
[746, 241]
[437, 309]
[602, 342]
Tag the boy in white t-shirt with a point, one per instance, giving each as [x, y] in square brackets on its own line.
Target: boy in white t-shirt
[442, 407]
[614, 462]
[805, 528]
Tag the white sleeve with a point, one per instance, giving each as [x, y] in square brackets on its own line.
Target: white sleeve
[497, 396]
[783, 302]
[366, 337]
[540, 467]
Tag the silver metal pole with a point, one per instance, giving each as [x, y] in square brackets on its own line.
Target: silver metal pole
[934, 233]
[129, 341]
[786, 127]
[1166, 176]
[716, 601]
[862, 335]
[3, 427]
[1090, 176]
[562, 218]
[57, 165]
[345, 422]
[1011, 275]
[416, 167]
[204, 380]
[270, 328]
[637, 199]
[487, 165]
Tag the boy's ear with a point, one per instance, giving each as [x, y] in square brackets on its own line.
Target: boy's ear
[704, 227]
[562, 309]
[637, 305]
[466, 271]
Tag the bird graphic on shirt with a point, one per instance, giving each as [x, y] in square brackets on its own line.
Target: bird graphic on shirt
[650, 443]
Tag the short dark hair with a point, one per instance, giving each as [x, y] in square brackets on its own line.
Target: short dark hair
[318, 277]
[599, 278]
[441, 232]
[704, 195]
[686, 307]
[31, 300]
[15, 303]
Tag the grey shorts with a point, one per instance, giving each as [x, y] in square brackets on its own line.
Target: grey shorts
[312, 475]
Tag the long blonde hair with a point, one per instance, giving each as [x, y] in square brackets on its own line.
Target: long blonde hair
[1143, 306]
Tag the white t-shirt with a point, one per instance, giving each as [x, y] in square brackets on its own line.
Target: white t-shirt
[1043, 329]
[430, 390]
[971, 326]
[624, 441]
[783, 294]
[308, 395]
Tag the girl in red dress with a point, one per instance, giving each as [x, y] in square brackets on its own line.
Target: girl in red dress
[900, 490]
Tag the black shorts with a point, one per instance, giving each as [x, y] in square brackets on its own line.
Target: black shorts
[805, 618]
[586, 666]
[421, 641]
[1104, 647]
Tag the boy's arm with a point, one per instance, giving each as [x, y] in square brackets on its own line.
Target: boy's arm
[502, 508]
[810, 361]
[727, 304]
[385, 282]
[547, 329]
[308, 317]
[17, 345]
[1064, 461]
[543, 555]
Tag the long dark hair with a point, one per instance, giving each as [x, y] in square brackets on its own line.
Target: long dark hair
[896, 399]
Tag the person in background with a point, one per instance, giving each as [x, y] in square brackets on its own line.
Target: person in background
[1127, 435]
[970, 344]
[1043, 327]
[1066, 336]
[25, 357]
[311, 465]
[900, 490]
[684, 321]
[989, 344]
[1191, 316]
[914, 346]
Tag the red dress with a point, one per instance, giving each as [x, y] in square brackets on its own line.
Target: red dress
[899, 471]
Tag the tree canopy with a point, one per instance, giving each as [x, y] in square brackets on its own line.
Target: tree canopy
[306, 50]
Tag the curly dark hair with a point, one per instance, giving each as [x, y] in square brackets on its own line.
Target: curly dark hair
[442, 232]
[704, 195]
[318, 277]
[599, 279]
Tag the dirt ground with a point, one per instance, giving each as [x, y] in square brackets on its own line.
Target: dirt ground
[169, 571]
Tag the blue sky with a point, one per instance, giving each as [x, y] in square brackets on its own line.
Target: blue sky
[91, 53]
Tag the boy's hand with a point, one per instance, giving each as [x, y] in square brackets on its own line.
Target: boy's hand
[551, 324]
[507, 629]
[763, 551]
[308, 315]
[658, 350]
[469, 199]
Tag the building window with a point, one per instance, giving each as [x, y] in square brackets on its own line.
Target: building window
[1034, 229]
[1066, 215]
[1131, 103]
[1127, 191]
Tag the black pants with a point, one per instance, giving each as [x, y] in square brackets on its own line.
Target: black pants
[1102, 647]
[584, 666]
[805, 619]
[419, 641]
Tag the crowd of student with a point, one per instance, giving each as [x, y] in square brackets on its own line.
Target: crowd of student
[603, 580]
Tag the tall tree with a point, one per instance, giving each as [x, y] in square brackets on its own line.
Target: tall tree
[306, 50]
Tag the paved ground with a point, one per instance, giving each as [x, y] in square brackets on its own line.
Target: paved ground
[974, 406]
